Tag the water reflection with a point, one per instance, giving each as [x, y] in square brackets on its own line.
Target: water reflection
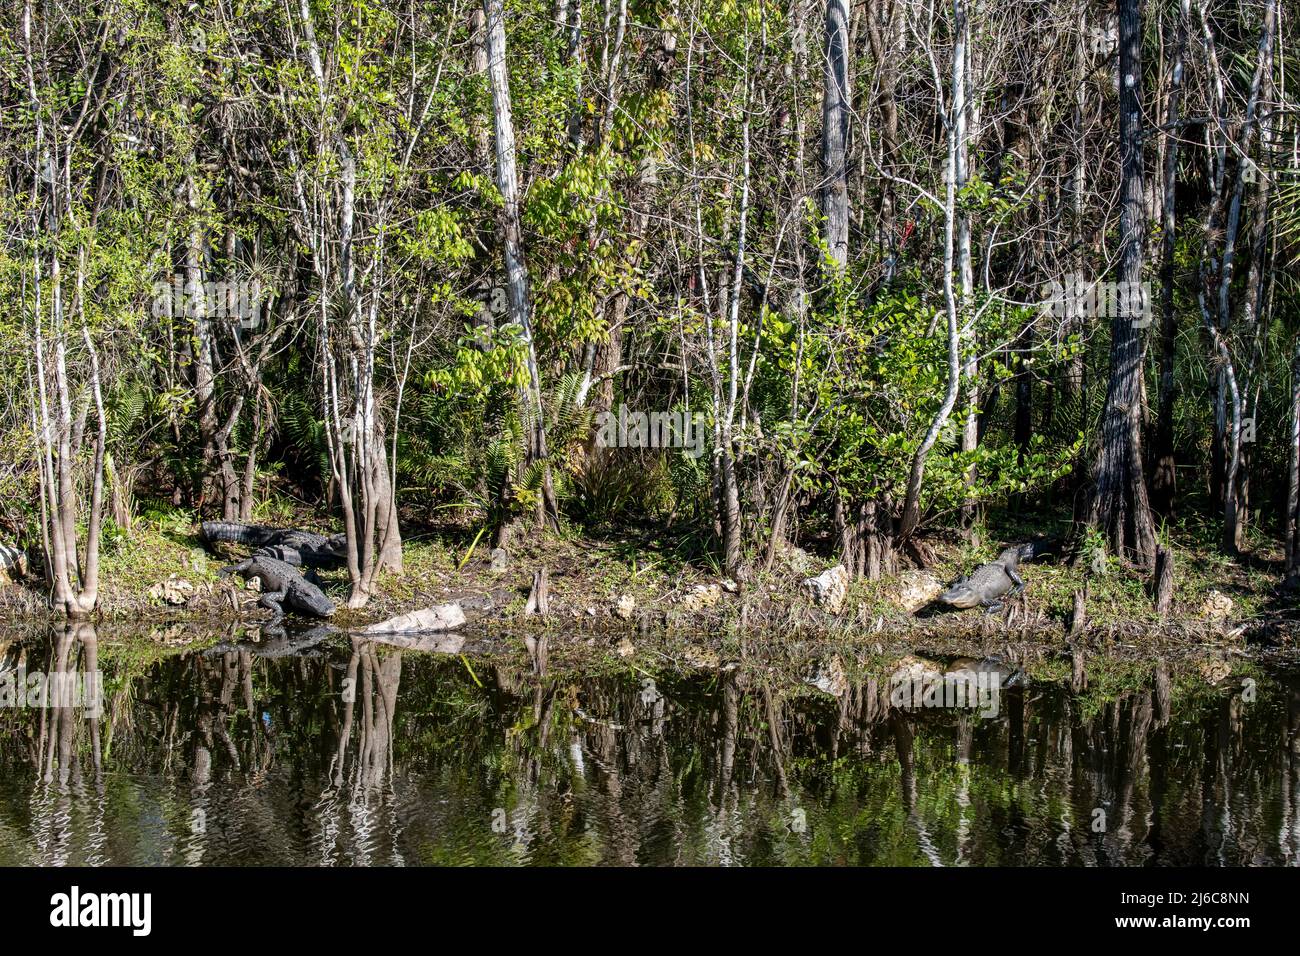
[319, 749]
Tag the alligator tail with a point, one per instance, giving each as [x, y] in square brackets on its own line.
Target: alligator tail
[214, 531]
[290, 556]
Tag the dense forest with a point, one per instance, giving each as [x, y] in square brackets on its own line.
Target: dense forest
[835, 274]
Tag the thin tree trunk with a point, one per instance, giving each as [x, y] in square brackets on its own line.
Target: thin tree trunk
[512, 241]
[1216, 277]
[205, 392]
[911, 516]
[960, 119]
[835, 131]
[1253, 300]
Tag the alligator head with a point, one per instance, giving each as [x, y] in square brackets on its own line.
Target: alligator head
[962, 594]
[315, 602]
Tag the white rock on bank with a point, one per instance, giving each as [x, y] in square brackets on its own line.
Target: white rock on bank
[829, 588]
[625, 607]
[1217, 606]
[441, 617]
[916, 589]
[173, 591]
[701, 596]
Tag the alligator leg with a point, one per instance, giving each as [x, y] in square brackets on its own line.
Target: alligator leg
[991, 607]
[1019, 582]
[271, 601]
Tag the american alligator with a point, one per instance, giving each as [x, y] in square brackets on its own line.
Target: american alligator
[282, 584]
[299, 548]
[989, 583]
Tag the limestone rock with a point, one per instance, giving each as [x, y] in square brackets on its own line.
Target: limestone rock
[13, 564]
[499, 560]
[829, 588]
[701, 596]
[625, 606]
[173, 591]
[441, 617]
[1217, 606]
[916, 589]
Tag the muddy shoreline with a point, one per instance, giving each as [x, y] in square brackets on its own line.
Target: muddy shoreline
[617, 598]
[797, 656]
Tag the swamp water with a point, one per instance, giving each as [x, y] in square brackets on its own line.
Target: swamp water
[332, 751]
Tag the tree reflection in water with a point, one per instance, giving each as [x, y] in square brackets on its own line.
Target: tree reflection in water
[346, 751]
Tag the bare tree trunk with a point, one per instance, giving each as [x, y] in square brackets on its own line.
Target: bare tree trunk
[1253, 298]
[355, 431]
[74, 586]
[1162, 587]
[1120, 507]
[835, 131]
[882, 35]
[205, 392]
[548, 513]
[730, 514]
[1164, 483]
[89, 596]
[231, 487]
[960, 120]
[780, 510]
[1216, 278]
[248, 492]
[911, 516]
[570, 25]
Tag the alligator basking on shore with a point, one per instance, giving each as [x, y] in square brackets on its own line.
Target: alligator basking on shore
[988, 584]
[282, 586]
[299, 548]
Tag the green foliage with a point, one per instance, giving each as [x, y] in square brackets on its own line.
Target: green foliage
[304, 435]
[217, 128]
